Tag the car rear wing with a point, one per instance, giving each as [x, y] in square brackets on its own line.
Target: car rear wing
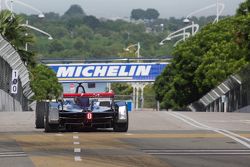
[90, 95]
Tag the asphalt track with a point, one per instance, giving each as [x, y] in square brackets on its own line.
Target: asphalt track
[155, 139]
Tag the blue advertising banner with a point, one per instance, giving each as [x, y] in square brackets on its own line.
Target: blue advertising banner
[114, 72]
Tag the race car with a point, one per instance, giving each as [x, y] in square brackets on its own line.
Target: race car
[83, 110]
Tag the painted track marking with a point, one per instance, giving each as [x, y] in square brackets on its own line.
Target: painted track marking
[13, 154]
[76, 143]
[78, 158]
[75, 137]
[196, 152]
[240, 139]
[77, 150]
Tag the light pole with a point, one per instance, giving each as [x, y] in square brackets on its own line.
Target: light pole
[194, 27]
[169, 38]
[219, 9]
[136, 86]
[40, 15]
[137, 51]
[36, 29]
[187, 21]
[10, 7]
[182, 32]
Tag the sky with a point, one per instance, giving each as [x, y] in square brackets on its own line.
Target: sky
[123, 8]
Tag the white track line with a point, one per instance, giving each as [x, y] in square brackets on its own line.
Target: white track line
[236, 135]
[14, 155]
[10, 153]
[76, 143]
[199, 153]
[199, 125]
[77, 150]
[75, 137]
[128, 134]
[78, 158]
[193, 150]
[178, 117]
[214, 129]
[222, 130]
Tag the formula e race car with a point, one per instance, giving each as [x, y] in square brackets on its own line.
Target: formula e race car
[83, 110]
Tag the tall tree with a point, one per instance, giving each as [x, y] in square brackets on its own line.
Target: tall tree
[244, 8]
[12, 29]
[137, 14]
[202, 62]
[45, 83]
[75, 10]
[56, 46]
[92, 22]
[151, 14]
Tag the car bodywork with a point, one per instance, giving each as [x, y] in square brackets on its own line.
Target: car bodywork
[86, 110]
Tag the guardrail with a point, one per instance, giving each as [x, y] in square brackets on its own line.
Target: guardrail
[10, 60]
[231, 95]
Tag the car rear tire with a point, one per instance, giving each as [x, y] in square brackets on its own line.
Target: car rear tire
[40, 110]
[121, 126]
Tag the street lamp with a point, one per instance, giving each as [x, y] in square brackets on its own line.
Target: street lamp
[10, 7]
[219, 9]
[194, 27]
[137, 51]
[181, 32]
[187, 21]
[36, 29]
[135, 85]
[169, 38]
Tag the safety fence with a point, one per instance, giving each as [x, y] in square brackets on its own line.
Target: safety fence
[231, 95]
[10, 60]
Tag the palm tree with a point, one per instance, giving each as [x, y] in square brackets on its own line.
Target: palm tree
[11, 29]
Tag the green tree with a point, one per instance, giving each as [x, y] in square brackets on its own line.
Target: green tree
[45, 84]
[202, 62]
[84, 32]
[78, 45]
[16, 34]
[92, 22]
[75, 10]
[151, 14]
[56, 46]
[244, 8]
[121, 89]
[137, 14]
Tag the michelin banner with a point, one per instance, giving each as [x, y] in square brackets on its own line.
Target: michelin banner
[115, 72]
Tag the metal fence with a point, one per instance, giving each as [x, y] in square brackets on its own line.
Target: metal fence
[10, 60]
[231, 95]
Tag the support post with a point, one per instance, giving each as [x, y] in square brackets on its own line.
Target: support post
[137, 98]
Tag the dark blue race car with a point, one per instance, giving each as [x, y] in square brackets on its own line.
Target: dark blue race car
[83, 110]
